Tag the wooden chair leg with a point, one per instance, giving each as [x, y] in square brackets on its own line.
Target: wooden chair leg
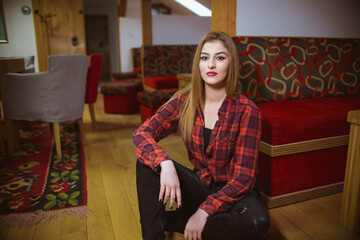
[56, 132]
[92, 114]
[9, 128]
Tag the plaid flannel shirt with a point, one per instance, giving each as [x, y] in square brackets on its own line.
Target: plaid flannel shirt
[231, 155]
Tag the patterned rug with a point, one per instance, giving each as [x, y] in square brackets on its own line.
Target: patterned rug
[35, 185]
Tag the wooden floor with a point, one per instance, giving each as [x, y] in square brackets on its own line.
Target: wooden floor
[110, 166]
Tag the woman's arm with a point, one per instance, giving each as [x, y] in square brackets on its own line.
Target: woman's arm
[152, 131]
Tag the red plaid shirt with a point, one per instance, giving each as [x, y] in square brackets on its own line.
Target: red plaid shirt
[231, 155]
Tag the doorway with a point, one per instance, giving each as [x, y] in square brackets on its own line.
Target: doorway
[97, 41]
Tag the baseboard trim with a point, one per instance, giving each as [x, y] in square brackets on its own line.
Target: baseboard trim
[303, 146]
[285, 199]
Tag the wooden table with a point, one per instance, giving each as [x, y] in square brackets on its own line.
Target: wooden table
[350, 206]
[184, 79]
[14, 65]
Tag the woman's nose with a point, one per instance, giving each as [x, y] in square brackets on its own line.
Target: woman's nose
[211, 64]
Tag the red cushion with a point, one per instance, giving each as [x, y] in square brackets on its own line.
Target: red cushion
[146, 112]
[162, 82]
[305, 119]
[137, 70]
[121, 104]
[292, 173]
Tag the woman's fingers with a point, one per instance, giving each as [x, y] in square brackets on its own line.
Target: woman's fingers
[167, 195]
[178, 197]
[162, 191]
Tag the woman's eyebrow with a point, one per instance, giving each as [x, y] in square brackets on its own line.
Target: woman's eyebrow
[215, 53]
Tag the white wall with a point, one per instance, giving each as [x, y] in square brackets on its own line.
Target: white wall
[130, 34]
[20, 31]
[176, 29]
[307, 18]
[167, 29]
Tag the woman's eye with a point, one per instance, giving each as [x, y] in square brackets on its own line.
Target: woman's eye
[220, 58]
[203, 58]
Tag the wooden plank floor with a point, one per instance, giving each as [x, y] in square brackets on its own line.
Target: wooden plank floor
[110, 166]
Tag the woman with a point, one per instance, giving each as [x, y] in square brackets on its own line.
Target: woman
[221, 131]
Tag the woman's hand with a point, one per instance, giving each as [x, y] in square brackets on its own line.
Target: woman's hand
[169, 184]
[195, 225]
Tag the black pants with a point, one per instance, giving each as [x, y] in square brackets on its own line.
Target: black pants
[248, 218]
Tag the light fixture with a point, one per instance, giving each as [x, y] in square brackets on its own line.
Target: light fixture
[195, 7]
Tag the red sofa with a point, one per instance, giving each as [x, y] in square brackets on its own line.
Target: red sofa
[304, 88]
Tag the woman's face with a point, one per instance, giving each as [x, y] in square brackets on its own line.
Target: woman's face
[214, 63]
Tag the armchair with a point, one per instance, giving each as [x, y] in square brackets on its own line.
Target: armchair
[54, 96]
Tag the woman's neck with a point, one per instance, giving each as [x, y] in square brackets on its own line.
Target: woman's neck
[214, 95]
[213, 101]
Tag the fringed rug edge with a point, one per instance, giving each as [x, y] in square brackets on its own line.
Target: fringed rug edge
[27, 220]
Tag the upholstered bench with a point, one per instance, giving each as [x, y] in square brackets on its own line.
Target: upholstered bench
[151, 101]
[304, 88]
[303, 147]
[121, 97]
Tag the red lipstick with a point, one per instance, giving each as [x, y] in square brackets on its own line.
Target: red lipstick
[211, 73]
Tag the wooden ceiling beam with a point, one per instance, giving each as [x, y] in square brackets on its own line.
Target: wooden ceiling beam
[224, 16]
[121, 8]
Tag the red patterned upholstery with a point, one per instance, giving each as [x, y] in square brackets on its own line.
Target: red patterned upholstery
[163, 82]
[319, 79]
[162, 63]
[290, 68]
[122, 88]
[151, 101]
[124, 75]
[121, 97]
[136, 59]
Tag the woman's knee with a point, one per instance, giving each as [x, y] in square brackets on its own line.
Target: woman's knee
[258, 214]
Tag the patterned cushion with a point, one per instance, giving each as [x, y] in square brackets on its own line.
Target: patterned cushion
[167, 60]
[123, 75]
[122, 88]
[156, 98]
[285, 68]
[136, 53]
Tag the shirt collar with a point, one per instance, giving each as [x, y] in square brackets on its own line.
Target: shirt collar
[225, 107]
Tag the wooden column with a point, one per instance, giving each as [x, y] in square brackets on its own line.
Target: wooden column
[224, 16]
[350, 207]
[120, 12]
[146, 22]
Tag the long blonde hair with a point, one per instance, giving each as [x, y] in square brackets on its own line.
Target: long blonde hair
[196, 95]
